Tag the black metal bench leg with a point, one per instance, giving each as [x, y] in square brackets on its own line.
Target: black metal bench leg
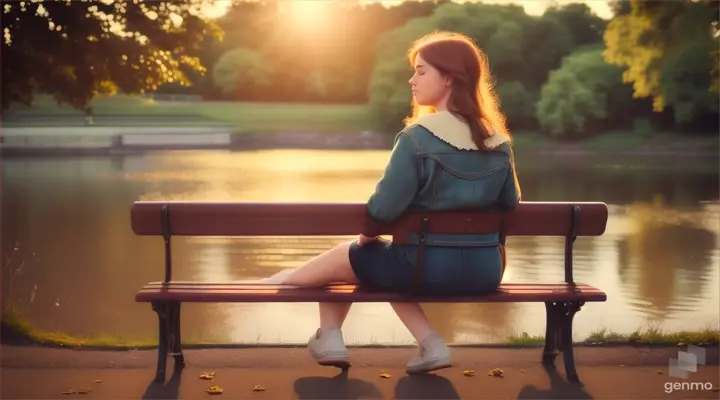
[559, 336]
[553, 318]
[175, 342]
[567, 340]
[161, 310]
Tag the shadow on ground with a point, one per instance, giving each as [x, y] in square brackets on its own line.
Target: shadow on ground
[165, 390]
[425, 387]
[559, 388]
[338, 387]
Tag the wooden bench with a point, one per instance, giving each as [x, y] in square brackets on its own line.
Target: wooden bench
[167, 219]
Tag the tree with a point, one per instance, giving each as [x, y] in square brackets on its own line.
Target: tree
[521, 49]
[329, 59]
[389, 93]
[667, 51]
[585, 27]
[74, 50]
[240, 71]
[577, 93]
[545, 44]
[517, 103]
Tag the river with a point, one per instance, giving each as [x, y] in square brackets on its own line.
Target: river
[72, 263]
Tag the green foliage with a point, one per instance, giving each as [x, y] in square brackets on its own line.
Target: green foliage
[684, 82]
[389, 91]
[583, 26]
[330, 61]
[390, 102]
[75, 50]
[241, 70]
[577, 93]
[666, 49]
[517, 102]
[546, 41]
[521, 50]
[667, 52]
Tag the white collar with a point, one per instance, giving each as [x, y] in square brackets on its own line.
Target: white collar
[454, 131]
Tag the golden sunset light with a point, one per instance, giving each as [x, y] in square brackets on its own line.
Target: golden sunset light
[312, 10]
[485, 180]
[306, 15]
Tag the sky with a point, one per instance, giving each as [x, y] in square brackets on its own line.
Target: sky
[532, 7]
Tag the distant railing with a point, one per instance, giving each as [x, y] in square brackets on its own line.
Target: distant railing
[172, 97]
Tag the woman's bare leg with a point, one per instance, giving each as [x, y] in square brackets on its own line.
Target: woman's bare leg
[432, 353]
[413, 317]
[326, 345]
[334, 266]
[330, 266]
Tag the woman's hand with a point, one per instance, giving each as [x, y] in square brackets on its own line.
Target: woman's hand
[362, 239]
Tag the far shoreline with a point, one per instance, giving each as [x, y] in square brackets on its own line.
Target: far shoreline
[145, 140]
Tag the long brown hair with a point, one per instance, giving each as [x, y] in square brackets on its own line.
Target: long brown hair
[472, 97]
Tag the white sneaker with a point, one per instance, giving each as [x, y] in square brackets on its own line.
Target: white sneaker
[328, 348]
[433, 354]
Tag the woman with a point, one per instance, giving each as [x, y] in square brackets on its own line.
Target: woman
[453, 154]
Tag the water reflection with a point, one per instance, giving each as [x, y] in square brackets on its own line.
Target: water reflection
[666, 263]
[78, 265]
[682, 182]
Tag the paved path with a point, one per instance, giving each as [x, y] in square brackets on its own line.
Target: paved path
[290, 373]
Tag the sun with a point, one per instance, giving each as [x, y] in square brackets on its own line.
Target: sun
[307, 14]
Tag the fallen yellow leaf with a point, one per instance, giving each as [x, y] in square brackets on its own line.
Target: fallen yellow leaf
[97, 381]
[214, 390]
[207, 375]
[258, 388]
[71, 391]
[496, 372]
[469, 373]
[384, 374]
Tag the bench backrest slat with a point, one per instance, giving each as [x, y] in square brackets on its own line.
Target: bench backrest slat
[196, 218]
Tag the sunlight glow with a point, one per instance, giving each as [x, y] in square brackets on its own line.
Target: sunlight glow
[215, 9]
[307, 15]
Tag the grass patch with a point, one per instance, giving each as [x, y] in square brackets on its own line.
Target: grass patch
[525, 339]
[649, 336]
[16, 330]
[259, 117]
[243, 116]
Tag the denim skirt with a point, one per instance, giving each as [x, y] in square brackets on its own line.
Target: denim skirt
[446, 270]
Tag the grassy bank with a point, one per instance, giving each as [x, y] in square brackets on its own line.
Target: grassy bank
[648, 336]
[250, 117]
[316, 118]
[17, 330]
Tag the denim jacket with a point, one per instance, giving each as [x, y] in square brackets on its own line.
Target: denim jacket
[433, 167]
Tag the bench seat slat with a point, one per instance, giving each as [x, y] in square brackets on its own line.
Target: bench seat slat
[254, 285]
[243, 292]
